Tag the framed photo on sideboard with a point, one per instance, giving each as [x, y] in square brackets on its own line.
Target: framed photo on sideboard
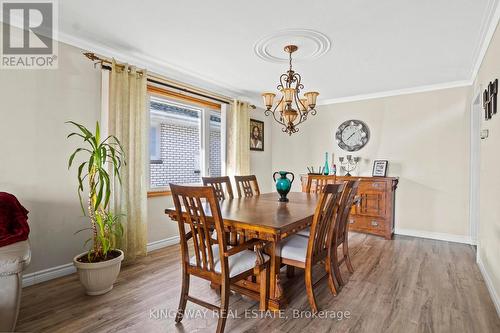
[380, 168]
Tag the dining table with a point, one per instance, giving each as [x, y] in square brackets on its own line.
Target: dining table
[264, 217]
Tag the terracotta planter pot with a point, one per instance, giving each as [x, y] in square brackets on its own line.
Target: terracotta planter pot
[98, 278]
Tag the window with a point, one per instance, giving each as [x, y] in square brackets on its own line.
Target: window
[215, 158]
[154, 139]
[179, 131]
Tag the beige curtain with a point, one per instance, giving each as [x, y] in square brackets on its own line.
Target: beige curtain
[238, 139]
[127, 121]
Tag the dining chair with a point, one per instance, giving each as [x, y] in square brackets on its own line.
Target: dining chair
[302, 252]
[213, 260]
[341, 232]
[320, 181]
[218, 183]
[248, 185]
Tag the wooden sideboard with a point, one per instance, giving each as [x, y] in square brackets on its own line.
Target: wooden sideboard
[374, 213]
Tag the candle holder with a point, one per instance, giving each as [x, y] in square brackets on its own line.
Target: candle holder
[349, 163]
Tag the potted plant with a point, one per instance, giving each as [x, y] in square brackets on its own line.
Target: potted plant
[98, 268]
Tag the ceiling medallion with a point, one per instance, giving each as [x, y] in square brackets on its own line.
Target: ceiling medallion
[312, 45]
[291, 110]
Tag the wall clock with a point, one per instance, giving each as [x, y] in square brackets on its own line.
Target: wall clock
[352, 135]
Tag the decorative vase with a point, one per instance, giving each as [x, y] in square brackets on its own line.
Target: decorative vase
[98, 278]
[283, 184]
[326, 169]
[334, 166]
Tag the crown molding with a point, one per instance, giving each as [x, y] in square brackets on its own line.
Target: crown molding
[389, 93]
[490, 21]
[152, 64]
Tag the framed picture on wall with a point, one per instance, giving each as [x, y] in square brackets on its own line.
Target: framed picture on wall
[256, 135]
[380, 168]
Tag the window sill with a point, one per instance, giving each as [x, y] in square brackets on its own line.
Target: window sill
[152, 194]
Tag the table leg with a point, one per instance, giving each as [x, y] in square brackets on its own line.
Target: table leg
[275, 290]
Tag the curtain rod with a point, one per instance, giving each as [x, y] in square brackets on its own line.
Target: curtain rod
[157, 80]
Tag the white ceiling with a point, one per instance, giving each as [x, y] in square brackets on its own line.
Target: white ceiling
[376, 46]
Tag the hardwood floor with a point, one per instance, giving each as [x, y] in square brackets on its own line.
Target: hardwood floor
[405, 285]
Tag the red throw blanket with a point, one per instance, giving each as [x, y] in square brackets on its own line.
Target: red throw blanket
[13, 220]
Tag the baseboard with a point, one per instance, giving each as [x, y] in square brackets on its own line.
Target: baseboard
[435, 235]
[66, 269]
[489, 284]
[48, 274]
[163, 243]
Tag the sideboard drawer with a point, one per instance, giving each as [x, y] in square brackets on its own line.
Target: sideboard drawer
[370, 186]
[361, 223]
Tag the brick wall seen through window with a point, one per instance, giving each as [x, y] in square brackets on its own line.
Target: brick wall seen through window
[179, 146]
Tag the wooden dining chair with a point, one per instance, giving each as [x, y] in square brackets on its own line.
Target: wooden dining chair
[248, 185]
[320, 181]
[302, 252]
[222, 186]
[341, 233]
[213, 260]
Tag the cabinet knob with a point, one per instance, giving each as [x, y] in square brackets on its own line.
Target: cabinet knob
[351, 221]
[374, 223]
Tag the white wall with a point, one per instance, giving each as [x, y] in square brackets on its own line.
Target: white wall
[489, 224]
[160, 226]
[34, 151]
[425, 138]
[261, 161]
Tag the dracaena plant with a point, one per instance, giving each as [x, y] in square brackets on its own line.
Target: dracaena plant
[102, 155]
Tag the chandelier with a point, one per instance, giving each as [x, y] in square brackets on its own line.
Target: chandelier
[291, 110]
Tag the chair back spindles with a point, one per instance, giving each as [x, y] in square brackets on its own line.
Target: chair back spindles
[320, 181]
[323, 220]
[221, 185]
[349, 195]
[193, 201]
[340, 236]
[247, 186]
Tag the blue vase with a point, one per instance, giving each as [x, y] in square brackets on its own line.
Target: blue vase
[283, 184]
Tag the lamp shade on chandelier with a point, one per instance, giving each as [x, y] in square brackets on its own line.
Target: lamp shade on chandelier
[291, 109]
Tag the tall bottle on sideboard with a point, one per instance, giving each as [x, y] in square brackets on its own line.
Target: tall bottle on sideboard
[333, 170]
[326, 169]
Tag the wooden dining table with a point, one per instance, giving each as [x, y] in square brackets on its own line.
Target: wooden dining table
[264, 217]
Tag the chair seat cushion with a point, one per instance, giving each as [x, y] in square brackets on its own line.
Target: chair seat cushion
[305, 232]
[238, 263]
[14, 258]
[295, 248]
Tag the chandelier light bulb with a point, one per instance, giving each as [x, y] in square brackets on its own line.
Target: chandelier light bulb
[311, 98]
[268, 99]
[288, 94]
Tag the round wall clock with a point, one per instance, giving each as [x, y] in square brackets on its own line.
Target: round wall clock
[352, 135]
